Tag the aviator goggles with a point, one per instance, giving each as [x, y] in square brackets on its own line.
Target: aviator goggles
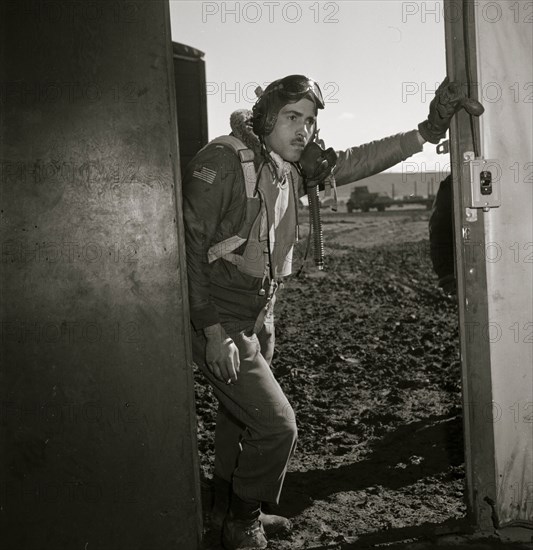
[294, 87]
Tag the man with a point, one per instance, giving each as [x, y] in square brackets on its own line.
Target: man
[241, 215]
[441, 244]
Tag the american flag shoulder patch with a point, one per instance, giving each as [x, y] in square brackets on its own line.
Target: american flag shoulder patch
[205, 174]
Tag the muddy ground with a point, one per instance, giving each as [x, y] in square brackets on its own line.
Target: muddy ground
[368, 354]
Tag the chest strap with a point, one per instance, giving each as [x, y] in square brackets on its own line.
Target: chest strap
[246, 158]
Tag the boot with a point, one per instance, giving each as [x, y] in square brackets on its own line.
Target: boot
[242, 529]
[272, 524]
[275, 525]
[243, 534]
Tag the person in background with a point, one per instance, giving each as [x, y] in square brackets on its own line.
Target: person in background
[441, 241]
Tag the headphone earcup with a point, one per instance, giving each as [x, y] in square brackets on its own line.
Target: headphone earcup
[265, 113]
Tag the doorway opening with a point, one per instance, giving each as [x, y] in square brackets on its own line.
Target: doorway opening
[367, 351]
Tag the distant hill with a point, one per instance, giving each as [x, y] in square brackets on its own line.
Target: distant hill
[424, 184]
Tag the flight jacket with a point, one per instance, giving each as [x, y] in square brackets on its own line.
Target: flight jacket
[214, 209]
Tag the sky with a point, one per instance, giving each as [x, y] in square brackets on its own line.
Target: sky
[378, 62]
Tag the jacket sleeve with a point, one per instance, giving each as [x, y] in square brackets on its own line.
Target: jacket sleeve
[208, 187]
[366, 160]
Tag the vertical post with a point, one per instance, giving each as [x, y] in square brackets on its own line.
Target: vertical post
[98, 426]
[191, 100]
[471, 281]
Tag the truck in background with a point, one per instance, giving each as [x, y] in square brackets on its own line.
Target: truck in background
[362, 199]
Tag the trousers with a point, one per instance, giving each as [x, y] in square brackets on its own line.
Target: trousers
[256, 433]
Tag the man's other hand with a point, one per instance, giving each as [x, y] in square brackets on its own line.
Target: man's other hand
[221, 354]
[449, 99]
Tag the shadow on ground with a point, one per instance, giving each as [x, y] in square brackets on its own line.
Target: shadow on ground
[422, 448]
[412, 452]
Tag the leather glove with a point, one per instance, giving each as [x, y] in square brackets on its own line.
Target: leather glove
[449, 99]
[317, 163]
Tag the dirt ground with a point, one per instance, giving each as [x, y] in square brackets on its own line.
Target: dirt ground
[368, 354]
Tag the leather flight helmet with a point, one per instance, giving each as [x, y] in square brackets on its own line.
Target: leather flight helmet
[278, 94]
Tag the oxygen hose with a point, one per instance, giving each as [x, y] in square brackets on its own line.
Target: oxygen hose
[316, 226]
[316, 164]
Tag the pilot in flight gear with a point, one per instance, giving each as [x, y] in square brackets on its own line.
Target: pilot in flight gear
[240, 205]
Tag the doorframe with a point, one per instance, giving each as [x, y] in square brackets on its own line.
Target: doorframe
[469, 236]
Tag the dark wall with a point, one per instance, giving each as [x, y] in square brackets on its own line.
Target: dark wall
[191, 95]
[97, 411]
